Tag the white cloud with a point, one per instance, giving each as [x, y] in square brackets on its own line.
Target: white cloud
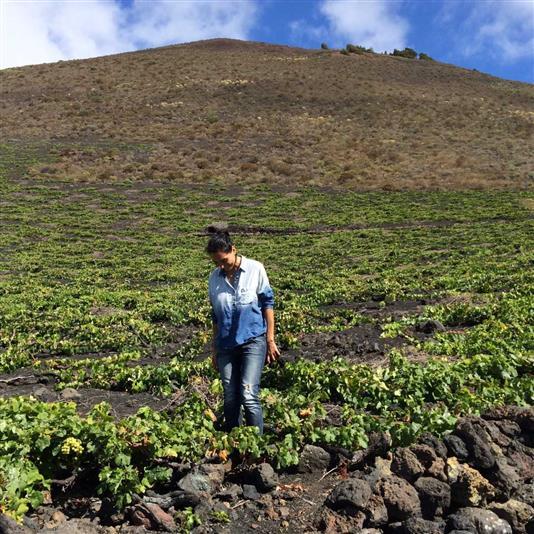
[33, 31]
[161, 22]
[369, 23]
[502, 29]
[301, 30]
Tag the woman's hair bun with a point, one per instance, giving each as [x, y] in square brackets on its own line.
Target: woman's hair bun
[219, 238]
[218, 228]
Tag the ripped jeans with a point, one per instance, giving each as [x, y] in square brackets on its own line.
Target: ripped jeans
[240, 369]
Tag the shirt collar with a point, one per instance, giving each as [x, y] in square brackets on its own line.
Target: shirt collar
[242, 267]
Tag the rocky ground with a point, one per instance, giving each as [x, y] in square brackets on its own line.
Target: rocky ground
[478, 479]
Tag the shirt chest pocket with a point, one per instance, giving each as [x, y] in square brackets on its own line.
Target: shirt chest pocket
[245, 296]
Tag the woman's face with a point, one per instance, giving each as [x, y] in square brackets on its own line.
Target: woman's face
[224, 259]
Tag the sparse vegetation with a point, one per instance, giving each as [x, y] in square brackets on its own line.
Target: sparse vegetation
[175, 107]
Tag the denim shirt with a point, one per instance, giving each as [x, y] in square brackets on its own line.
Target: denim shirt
[236, 308]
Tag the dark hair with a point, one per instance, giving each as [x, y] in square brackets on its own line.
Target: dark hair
[219, 241]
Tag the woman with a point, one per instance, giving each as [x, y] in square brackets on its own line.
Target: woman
[243, 328]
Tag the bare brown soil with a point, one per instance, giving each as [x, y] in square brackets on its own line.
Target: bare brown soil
[363, 343]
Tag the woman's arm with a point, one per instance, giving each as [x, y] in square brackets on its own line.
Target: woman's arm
[266, 300]
[268, 313]
[214, 346]
[272, 350]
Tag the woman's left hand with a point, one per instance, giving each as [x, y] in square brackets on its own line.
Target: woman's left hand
[272, 352]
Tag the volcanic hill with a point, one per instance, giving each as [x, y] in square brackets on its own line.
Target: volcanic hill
[238, 112]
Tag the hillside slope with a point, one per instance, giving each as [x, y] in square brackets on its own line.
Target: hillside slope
[242, 112]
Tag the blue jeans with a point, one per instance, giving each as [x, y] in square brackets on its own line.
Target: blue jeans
[240, 369]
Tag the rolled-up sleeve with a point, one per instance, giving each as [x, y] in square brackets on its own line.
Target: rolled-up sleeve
[265, 291]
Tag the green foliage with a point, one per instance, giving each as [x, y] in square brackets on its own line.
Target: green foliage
[212, 117]
[409, 53]
[357, 49]
[425, 57]
[188, 520]
[21, 486]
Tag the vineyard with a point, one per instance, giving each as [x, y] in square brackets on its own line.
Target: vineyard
[396, 312]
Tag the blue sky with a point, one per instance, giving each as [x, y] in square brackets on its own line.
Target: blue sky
[493, 36]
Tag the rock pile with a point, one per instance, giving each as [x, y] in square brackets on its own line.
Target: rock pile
[478, 479]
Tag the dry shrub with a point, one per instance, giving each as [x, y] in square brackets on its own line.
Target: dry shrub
[279, 167]
[390, 156]
[374, 153]
[174, 175]
[345, 177]
[249, 167]
[461, 160]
